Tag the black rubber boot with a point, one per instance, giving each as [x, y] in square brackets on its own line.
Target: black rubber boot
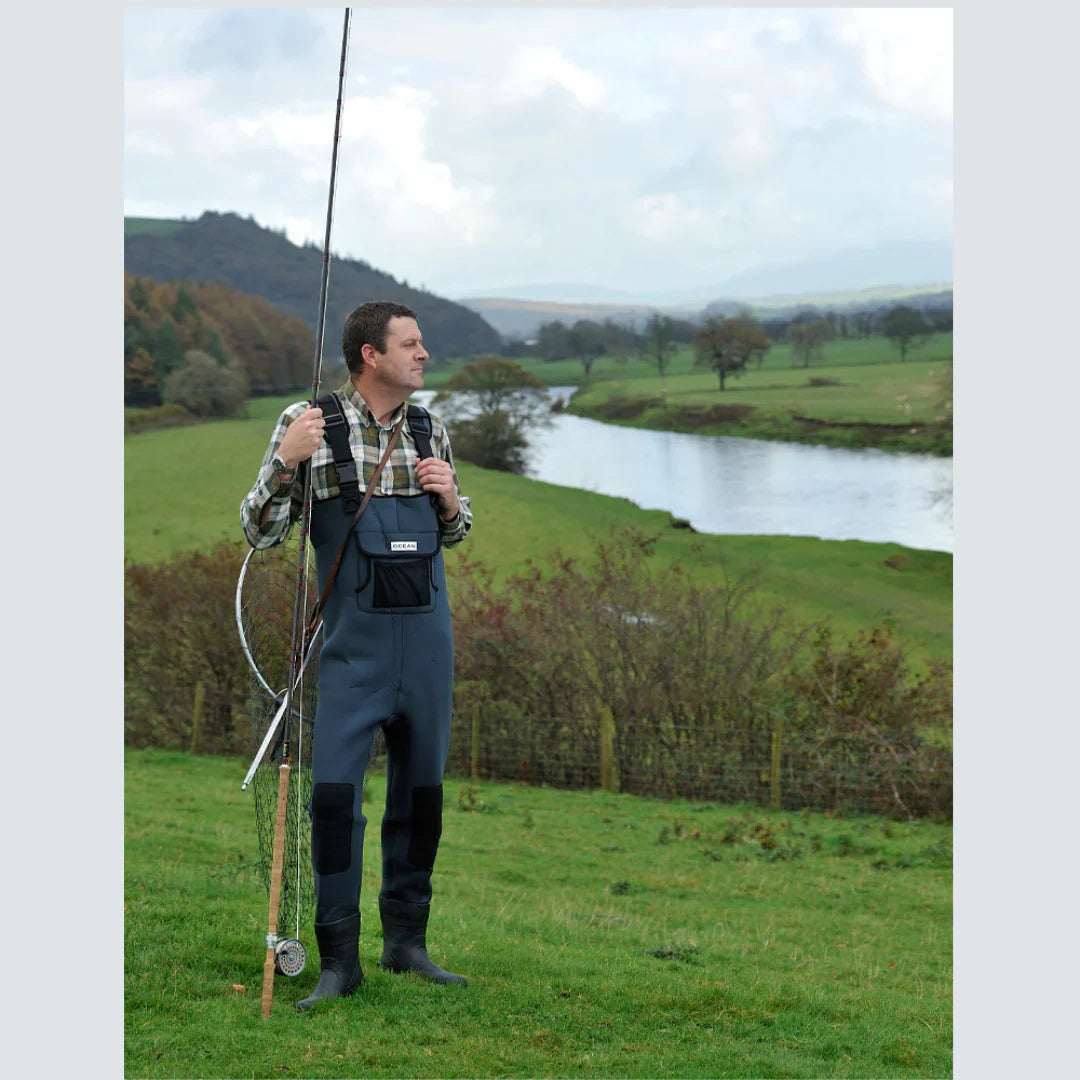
[339, 951]
[404, 935]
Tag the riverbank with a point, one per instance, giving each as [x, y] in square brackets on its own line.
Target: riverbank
[854, 584]
[899, 407]
[857, 394]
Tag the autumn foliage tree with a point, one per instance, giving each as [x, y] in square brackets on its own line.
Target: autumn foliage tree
[163, 321]
[727, 345]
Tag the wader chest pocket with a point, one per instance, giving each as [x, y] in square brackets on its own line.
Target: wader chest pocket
[396, 570]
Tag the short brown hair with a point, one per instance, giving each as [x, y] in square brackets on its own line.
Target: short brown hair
[367, 325]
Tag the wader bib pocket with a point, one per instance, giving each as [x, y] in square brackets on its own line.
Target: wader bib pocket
[396, 571]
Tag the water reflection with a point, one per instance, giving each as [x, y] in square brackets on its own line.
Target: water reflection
[730, 485]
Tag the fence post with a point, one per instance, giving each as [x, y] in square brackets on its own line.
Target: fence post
[774, 792]
[196, 717]
[607, 749]
[475, 745]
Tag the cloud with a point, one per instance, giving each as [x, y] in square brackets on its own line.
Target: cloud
[532, 68]
[906, 55]
[620, 147]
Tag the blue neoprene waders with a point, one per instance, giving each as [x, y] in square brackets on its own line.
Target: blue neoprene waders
[387, 661]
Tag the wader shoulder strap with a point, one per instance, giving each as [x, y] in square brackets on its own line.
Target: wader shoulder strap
[337, 435]
[312, 621]
[420, 429]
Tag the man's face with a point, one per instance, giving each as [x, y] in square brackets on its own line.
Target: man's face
[401, 367]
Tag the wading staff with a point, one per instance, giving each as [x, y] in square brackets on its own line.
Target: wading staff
[297, 650]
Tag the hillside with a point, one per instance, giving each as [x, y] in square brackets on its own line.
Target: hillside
[270, 351]
[237, 252]
[522, 318]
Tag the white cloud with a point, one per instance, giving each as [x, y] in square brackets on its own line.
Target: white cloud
[906, 53]
[531, 69]
[482, 146]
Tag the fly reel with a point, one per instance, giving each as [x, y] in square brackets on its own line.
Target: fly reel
[290, 956]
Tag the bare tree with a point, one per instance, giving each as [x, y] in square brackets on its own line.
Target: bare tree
[807, 338]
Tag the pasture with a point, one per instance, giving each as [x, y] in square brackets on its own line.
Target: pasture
[857, 393]
[603, 935]
[843, 352]
[174, 504]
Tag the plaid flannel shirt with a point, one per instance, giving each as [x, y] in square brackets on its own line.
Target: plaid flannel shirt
[369, 440]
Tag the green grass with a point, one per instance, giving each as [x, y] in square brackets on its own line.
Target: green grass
[603, 935]
[183, 489]
[895, 405]
[874, 394]
[843, 352]
[873, 399]
[135, 226]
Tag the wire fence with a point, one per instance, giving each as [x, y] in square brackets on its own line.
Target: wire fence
[782, 767]
[600, 676]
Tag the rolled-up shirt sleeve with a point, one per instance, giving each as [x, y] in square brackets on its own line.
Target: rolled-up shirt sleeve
[453, 532]
[286, 500]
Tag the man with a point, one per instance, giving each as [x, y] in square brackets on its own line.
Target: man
[387, 650]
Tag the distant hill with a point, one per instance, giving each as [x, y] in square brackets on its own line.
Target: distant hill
[521, 318]
[853, 300]
[239, 252]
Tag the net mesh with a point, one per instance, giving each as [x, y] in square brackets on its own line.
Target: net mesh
[265, 601]
[265, 611]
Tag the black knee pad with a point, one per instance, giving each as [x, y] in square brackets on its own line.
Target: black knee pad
[331, 837]
[426, 826]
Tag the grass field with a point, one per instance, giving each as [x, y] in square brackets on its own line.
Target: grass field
[603, 936]
[864, 396]
[135, 226]
[844, 352]
[172, 506]
[874, 394]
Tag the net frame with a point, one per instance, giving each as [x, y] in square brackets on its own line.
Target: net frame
[265, 597]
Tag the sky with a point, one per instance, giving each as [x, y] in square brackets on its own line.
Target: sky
[632, 153]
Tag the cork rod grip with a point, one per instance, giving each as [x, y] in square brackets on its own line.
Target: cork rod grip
[275, 885]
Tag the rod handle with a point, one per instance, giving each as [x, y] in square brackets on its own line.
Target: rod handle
[275, 886]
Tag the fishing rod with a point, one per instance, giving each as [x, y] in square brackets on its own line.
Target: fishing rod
[288, 955]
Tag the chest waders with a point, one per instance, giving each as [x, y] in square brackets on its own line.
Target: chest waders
[387, 661]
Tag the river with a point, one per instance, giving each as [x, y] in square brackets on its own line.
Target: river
[727, 485]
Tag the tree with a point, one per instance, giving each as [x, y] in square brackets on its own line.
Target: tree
[162, 344]
[726, 345]
[658, 345]
[906, 328]
[140, 384]
[495, 404]
[808, 336]
[587, 342]
[183, 306]
[204, 387]
[553, 341]
[139, 295]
